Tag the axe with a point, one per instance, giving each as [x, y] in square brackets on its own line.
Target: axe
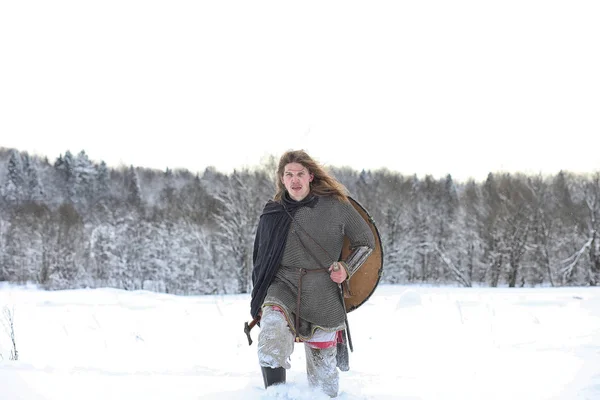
[248, 327]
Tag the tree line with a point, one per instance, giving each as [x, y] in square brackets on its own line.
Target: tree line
[75, 223]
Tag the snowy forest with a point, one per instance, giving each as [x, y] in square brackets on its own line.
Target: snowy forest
[75, 223]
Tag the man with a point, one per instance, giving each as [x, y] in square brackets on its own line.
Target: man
[297, 274]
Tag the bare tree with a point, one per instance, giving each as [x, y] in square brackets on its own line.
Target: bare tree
[543, 227]
[592, 202]
[9, 326]
[241, 202]
[518, 197]
[492, 229]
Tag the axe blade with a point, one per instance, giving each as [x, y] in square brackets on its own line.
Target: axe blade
[247, 329]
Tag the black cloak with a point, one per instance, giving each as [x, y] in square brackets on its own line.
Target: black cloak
[269, 244]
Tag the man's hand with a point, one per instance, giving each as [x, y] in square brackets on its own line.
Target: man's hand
[337, 272]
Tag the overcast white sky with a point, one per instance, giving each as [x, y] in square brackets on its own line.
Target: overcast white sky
[460, 87]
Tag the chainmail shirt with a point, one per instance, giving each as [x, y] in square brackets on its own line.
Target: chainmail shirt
[314, 242]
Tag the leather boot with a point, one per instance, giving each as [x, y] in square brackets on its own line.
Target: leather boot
[273, 376]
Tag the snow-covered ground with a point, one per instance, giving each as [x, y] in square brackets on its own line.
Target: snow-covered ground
[410, 343]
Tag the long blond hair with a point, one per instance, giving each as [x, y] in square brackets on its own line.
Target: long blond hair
[322, 184]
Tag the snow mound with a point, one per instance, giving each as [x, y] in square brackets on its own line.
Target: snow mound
[409, 298]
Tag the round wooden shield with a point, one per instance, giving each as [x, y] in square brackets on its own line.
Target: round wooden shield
[364, 281]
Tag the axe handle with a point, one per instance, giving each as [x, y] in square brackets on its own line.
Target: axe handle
[254, 322]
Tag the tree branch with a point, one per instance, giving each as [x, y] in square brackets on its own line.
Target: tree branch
[576, 256]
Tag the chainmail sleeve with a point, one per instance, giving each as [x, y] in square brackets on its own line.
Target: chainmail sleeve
[362, 241]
